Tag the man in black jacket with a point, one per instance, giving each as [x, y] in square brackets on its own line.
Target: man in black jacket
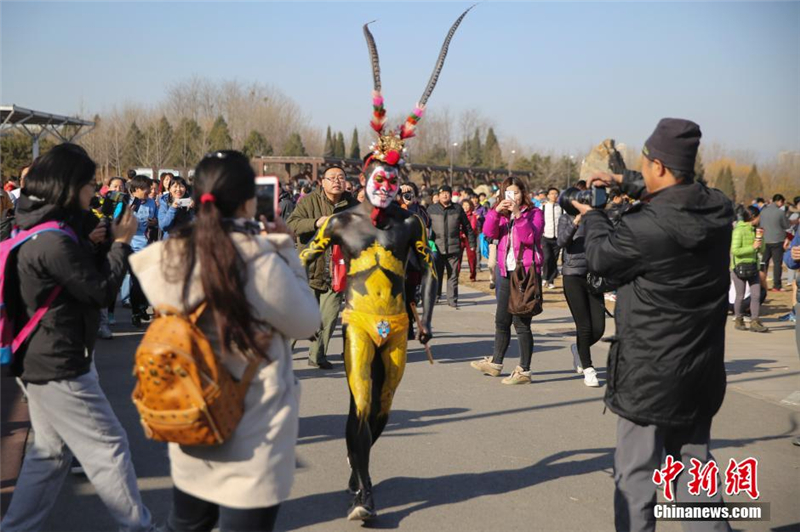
[448, 221]
[666, 370]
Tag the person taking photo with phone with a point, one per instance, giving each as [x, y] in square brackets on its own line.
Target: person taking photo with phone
[177, 209]
[256, 300]
[518, 227]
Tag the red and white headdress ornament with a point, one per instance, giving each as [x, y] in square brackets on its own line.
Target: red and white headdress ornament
[390, 146]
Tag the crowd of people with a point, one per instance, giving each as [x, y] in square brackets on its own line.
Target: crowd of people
[193, 243]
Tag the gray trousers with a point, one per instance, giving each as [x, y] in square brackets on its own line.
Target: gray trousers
[329, 304]
[640, 451]
[451, 263]
[74, 416]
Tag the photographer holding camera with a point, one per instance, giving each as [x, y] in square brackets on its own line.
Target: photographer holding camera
[666, 373]
[69, 412]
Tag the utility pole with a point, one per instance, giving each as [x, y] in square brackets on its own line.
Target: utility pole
[455, 145]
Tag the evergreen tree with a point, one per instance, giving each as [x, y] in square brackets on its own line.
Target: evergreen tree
[294, 146]
[162, 136]
[355, 150]
[437, 155]
[17, 150]
[219, 137]
[724, 183]
[133, 147]
[753, 187]
[185, 149]
[338, 146]
[328, 151]
[255, 145]
[473, 155]
[492, 156]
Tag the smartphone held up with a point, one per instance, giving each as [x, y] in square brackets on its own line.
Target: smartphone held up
[267, 198]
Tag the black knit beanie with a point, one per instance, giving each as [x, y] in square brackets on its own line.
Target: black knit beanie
[674, 142]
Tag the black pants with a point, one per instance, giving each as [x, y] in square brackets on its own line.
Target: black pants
[550, 267]
[190, 514]
[452, 263]
[775, 253]
[588, 311]
[502, 327]
[138, 299]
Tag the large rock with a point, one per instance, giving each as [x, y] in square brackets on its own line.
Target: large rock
[603, 158]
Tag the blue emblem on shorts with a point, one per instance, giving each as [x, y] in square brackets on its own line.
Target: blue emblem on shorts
[384, 329]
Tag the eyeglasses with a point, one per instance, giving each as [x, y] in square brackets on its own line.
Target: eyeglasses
[341, 179]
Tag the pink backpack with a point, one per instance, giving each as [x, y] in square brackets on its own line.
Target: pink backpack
[9, 343]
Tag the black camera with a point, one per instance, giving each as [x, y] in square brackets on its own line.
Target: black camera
[408, 197]
[596, 198]
[111, 206]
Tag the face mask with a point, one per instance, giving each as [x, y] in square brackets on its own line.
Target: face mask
[382, 187]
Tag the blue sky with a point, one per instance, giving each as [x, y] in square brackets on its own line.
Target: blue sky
[557, 76]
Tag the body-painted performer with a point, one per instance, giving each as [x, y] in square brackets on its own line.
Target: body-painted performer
[377, 238]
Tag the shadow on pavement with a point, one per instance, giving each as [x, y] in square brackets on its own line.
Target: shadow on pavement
[424, 493]
[315, 429]
[737, 367]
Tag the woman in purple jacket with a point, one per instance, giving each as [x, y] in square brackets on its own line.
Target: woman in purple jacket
[514, 218]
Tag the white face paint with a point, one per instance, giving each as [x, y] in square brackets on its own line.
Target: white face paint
[382, 186]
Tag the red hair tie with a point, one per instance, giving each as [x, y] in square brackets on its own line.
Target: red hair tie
[208, 198]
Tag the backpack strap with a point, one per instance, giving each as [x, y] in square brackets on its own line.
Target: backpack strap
[249, 373]
[22, 237]
[197, 312]
[34, 321]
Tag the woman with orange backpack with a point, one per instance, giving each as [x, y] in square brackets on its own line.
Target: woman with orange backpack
[256, 299]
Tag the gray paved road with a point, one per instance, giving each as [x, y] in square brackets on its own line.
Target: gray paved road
[464, 452]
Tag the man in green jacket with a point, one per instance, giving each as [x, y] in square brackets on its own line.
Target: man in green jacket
[310, 213]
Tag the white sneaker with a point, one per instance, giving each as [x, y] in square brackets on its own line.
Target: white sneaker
[551, 286]
[576, 359]
[590, 378]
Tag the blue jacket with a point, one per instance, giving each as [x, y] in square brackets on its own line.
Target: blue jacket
[146, 211]
[170, 218]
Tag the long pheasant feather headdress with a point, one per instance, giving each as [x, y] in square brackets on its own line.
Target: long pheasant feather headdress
[389, 147]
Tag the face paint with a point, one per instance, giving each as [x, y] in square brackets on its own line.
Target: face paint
[382, 186]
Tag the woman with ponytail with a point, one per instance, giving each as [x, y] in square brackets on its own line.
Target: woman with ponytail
[258, 300]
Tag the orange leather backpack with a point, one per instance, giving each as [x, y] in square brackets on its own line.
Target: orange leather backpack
[184, 394]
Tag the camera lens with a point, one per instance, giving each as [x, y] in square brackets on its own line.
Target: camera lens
[595, 197]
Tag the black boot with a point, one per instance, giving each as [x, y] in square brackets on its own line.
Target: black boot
[363, 507]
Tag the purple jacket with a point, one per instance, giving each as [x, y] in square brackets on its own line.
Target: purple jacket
[528, 229]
